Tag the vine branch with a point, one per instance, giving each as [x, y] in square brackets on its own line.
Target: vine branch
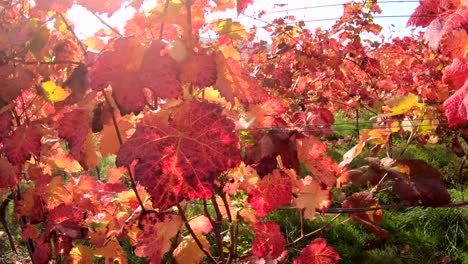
[192, 233]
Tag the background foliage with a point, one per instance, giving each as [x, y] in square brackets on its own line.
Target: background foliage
[154, 145]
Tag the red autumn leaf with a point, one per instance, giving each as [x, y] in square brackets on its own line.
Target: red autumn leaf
[180, 154]
[6, 120]
[424, 13]
[24, 142]
[318, 121]
[370, 219]
[234, 82]
[157, 230]
[268, 240]
[263, 115]
[142, 27]
[13, 80]
[456, 106]
[54, 5]
[318, 252]
[129, 67]
[419, 183]
[263, 154]
[102, 6]
[242, 5]
[439, 27]
[271, 192]
[457, 72]
[199, 69]
[7, 174]
[311, 151]
[65, 220]
[74, 127]
[42, 252]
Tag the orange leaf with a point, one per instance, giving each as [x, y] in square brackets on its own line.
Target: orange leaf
[189, 252]
[310, 196]
[312, 152]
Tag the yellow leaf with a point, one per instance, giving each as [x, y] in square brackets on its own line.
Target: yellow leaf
[400, 104]
[81, 254]
[55, 194]
[54, 93]
[234, 30]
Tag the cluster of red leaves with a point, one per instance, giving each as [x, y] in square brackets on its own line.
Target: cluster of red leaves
[447, 32]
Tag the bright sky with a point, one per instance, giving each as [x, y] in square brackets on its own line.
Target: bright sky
[86, 24]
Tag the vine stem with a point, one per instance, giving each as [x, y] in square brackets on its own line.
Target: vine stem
[107, 25]
[315, 231]
[192, 233]
[161, 30]
[69, 28]
[217, 227]
[119, 137]
[232, 231]
[188, 6]
[216, 230]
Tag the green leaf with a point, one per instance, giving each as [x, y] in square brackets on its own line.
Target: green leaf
[54, 93]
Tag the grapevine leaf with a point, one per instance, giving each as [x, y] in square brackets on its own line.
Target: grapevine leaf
[442, 25]
[234, 82]
[42, 252]
[199, 69]
[310, 195]
[64, 162]
[231, 29]
[65, 220]
[54, 93]
[423, 14]
[318, 252]
[271, 192]
[8, 176]
[418, 182]
[268, 240]
[457, 72]
[399, 104]
[201, 224]
[54, 5]
[112, 252]
[102, 6]
[156, 231]
[109, 142]
[370, 219]
[24, 142]
[242, 5]
[188, 251]
[168, 152]
[75, 127]
[129, 77]
[13, 80]
[311, 151]
[262, 155]
[263, 114]
[455, 44]
[82, 254]
[55, 194]
[456, 106]
[6, 121]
